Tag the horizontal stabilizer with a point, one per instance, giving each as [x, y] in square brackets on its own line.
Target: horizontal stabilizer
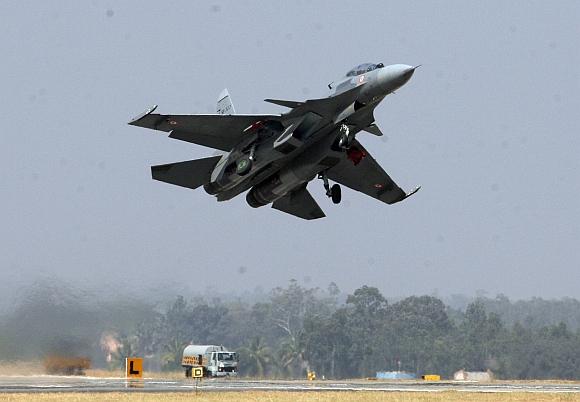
[285, 103]
[190, 174]
[299, 203]
[374, 129]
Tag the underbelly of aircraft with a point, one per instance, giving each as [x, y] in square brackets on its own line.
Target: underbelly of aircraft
[278, 178]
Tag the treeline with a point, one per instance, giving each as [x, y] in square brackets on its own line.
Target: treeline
[295, 329]
[299, 329]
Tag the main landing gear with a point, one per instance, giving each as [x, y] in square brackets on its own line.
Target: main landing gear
[333, 192]
[346, 138]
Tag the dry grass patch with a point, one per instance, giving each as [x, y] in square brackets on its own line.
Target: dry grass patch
[33, 368]
[277, 396]
[8, 368]
[119, 373]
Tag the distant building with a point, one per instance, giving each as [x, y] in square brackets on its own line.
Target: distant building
[463, 375]
[395, 375]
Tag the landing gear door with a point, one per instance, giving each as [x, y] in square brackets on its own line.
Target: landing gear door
[287, 141]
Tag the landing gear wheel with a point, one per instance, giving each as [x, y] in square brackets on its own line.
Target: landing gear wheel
[244, 166]
[336, 193]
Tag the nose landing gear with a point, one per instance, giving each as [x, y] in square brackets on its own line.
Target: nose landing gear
[334, 192]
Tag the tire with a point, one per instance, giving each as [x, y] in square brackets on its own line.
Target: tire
[243, 166]
[336, 193]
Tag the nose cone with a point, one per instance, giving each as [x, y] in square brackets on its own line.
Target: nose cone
[406, 72]
[395, 76]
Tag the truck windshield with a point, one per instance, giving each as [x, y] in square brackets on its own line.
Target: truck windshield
[226, 357]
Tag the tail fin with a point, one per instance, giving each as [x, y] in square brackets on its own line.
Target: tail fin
[224, 103]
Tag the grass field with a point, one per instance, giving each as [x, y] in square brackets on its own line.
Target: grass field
[21, 368]
[361, 396]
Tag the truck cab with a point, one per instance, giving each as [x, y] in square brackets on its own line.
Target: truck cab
[223, 364]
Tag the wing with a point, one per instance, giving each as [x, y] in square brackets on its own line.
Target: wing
[299, 203]
[210, 130]
[360, 171]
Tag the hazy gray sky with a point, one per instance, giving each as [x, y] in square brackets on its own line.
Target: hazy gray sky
[489, 126]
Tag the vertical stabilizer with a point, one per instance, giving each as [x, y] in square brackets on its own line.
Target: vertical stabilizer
[224, 103]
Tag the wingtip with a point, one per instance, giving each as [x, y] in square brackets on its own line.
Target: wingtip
[141, 115]
[413, 192]
[284, 103]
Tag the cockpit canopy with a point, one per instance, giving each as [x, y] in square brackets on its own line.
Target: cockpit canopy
[364, 68]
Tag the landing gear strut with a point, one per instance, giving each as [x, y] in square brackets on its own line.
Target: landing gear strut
[252, 156]
[346, 137]
[333, 192]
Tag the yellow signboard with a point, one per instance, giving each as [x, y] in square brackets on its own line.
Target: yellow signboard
[431, 377]
[197, 372]
[134, 367]
[193, 361]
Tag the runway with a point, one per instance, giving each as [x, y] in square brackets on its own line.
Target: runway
[45, 383]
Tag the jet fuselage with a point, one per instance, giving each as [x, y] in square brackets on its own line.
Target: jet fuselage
[274, 156]
[284, 158]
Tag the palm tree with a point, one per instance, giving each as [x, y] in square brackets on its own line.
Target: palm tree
[256, 357]
[172, 353]
[292, 354]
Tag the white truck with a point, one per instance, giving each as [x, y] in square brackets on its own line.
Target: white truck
[216, 361]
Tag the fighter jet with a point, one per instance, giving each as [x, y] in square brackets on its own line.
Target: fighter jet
[275, 156]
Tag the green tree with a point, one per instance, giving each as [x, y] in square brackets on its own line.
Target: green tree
[421, 333]
[255, 358]
[366, 311]
[480, 338]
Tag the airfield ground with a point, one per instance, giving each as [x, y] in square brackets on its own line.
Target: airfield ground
[26, 381]
[277, 396]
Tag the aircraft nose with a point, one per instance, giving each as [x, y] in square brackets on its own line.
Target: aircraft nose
[404, 72]
[395, 76]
